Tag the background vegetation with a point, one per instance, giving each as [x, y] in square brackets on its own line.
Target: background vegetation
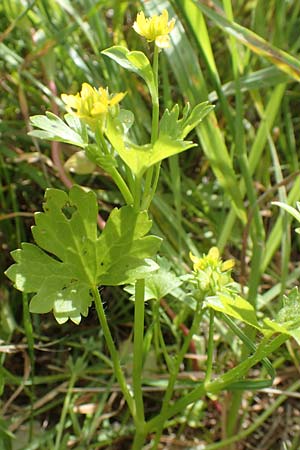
[57, 385]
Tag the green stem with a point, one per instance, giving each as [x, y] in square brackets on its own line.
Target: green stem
[115, 174]
[113, 351]
[139, 310]
[122, 186]
[210, 347]
[30, 341]
[139, 439]
[248, 342]
[155, 99]
[263, 350]
[163, 415]
[137, 193]
[150, 185]
[147, 188]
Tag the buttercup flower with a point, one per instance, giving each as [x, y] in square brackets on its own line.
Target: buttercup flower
[92, 105]
[156, 28]
[212, 260]
[212, 273]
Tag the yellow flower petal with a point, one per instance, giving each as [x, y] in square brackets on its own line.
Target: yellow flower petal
[214, 253]
[227, 265]
[138, 25]
[86, 91]
[193, 258]
[72, 101]
[117, 98]
[92, 105]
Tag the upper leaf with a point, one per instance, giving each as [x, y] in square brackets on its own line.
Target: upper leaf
[172, 132]
[135, 61]
[74, 258]
[140, 157]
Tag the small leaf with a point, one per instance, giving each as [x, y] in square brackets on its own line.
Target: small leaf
[287, 320]
[234, 306]
[169, 122]
[70, 259]
[160, 283]
[135, 61]
[195, 117]
[291, 307]
[55, 129]
[179, 128]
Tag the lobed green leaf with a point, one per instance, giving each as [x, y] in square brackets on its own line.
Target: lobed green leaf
[70, 259]
[170, 141]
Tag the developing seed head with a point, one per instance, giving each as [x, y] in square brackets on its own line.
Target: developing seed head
[212, 273]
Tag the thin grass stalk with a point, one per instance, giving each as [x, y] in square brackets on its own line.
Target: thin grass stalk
[258, 229]
[66, 405]
[197, 25]
[286, 235]
[255, 155]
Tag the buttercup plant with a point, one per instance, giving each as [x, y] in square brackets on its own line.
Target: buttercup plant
[124, 252]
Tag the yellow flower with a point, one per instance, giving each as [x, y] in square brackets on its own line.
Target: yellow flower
[212, 260]
[92, 105]
[155, 28]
